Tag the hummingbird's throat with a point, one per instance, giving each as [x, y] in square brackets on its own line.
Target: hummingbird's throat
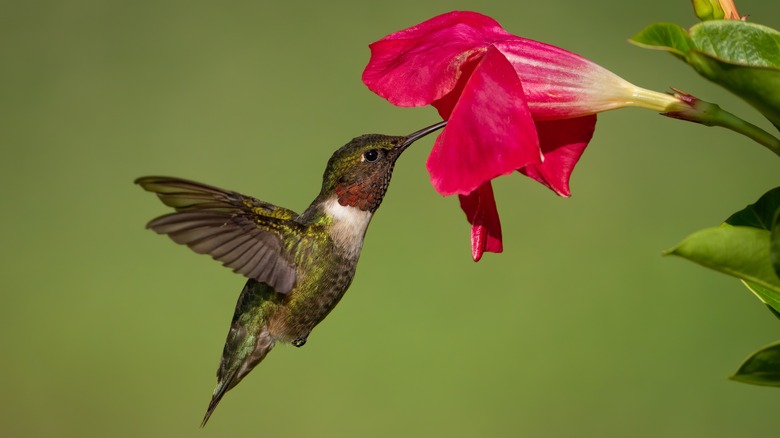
[348, 226]
[365, 196]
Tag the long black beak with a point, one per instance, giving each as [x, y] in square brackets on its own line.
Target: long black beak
[411, 138]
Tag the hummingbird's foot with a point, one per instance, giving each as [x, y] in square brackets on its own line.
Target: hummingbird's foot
[299, 342]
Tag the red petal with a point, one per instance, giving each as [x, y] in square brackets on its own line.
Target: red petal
[446, 104]
[489, 133]
[481, 212]
[562, 142]
[560, 84]
[415, 66]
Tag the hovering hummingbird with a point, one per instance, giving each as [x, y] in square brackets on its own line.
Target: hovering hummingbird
[298, 265]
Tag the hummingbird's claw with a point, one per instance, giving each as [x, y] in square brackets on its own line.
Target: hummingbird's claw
[299, 342]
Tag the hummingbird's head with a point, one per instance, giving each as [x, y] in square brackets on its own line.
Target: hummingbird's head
[359, 172]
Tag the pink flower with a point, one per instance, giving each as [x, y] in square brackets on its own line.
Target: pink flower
[512, 104]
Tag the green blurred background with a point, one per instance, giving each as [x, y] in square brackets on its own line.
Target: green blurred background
[580, 328]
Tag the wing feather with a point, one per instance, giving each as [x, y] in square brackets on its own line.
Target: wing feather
[223, 250]
[222, 240]
[250, 236]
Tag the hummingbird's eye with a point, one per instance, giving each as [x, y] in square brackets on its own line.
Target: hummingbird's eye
[371, 155]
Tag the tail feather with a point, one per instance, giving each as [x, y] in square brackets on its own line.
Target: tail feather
[229, 377]
[247, 343]
[219, 392]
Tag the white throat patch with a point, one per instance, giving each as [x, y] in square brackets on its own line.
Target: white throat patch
[349, 226]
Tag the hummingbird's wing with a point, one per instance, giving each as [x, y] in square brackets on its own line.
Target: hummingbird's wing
[250, 236]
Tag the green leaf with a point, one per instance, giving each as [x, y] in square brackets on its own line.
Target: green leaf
[758, 86]
[760, 214]
[741, 252]
[774, 312]
[763, 214]
[738, 42]
[742, 57]
[774, 243]
[769, 297]
[665, 36]
[761, 368]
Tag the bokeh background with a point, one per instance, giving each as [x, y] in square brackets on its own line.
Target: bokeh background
[581, 328]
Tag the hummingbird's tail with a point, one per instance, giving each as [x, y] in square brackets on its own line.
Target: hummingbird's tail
[219, 392]
[248, 341]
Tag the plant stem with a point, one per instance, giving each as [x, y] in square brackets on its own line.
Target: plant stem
[730, 121]
[710, 114]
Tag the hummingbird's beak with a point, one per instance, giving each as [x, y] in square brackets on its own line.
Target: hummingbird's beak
[411, 138]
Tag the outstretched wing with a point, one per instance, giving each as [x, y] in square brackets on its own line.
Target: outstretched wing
[245, 234]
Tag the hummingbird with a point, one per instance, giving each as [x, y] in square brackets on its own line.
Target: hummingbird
[298, 266]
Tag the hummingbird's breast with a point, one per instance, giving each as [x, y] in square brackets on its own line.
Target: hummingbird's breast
[318, 292]
[326, 270]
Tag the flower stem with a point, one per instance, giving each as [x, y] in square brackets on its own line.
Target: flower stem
[710, 114]
[730, 121]
[656, 101]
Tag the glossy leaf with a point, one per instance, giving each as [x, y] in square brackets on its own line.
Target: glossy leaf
[758, 86]
[761, 368]
[665, 36]
[741, 252]
[768, 296]
[774, 243]
[763, 214]
[741, 57]
[738, 42]
[760, 214]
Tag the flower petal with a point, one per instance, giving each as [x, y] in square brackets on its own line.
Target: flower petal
[482, 214]
[562, 142]
[415, 66]
[489, 133]
[446, 104]
[561, 84]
